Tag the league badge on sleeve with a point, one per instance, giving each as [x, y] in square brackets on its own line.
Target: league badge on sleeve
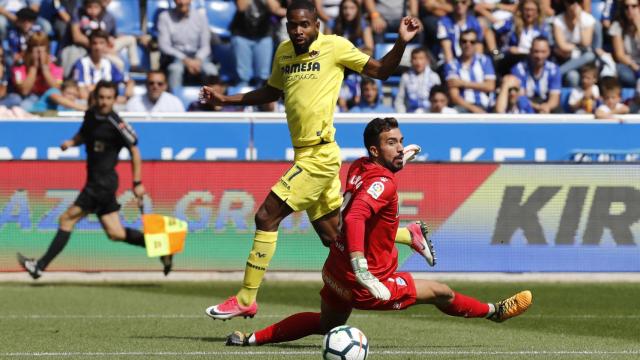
[376, 189]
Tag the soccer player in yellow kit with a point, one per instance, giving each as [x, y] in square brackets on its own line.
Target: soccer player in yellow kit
[308, 70]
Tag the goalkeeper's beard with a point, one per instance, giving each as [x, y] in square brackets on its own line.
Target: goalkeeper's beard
[394, 165]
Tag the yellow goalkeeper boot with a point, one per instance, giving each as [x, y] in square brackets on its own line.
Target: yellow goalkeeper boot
[513, 306]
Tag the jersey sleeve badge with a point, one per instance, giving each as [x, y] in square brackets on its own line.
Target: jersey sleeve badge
[376, 189]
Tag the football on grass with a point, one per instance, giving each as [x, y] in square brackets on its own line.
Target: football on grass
[345, 343]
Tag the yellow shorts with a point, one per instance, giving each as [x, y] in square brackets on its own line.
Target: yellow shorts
[313, 182]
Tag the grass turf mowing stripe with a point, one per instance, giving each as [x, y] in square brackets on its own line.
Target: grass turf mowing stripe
[305, 352]
[166, 321]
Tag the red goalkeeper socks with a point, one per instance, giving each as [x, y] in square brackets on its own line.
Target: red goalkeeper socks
[292, 328]
[466, 306]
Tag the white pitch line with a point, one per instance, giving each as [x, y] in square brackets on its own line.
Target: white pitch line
[309, 352]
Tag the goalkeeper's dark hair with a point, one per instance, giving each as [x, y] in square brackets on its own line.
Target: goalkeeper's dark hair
[303, 5]
[376, 127]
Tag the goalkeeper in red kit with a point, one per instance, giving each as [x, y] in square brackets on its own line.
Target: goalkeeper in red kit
[360, 271]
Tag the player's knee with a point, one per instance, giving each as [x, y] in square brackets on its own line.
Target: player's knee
[328, 238]
[443, 293]
[264, 221]
[66, 221]
[116, 235]
[63, 219]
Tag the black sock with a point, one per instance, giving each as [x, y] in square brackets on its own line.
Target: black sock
[56, 246]
[134, 237]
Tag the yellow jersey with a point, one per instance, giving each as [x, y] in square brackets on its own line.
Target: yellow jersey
[311, 84]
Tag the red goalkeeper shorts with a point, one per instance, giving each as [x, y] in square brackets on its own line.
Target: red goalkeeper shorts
[342, 294]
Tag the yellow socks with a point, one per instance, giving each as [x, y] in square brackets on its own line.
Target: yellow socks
[403, 236]
[264, 246]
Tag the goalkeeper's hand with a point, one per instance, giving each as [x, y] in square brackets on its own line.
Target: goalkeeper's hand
[410, 152]
[366, 279]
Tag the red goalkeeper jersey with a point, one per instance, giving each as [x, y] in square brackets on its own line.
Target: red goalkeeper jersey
[369, 222]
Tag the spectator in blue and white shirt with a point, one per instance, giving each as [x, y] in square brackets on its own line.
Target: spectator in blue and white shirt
[510, 99]
[471, 78]
[518, 33]
[539, 78]
[415, 84]
[18, 35]
[94, 67]
[450, 28]
[91, 16]
[608, 13]
[8, 10]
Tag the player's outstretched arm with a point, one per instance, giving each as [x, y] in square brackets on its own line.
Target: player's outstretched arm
[75, 141]
[354, 222]
[136, 173]
[263, 95]
[383, 68]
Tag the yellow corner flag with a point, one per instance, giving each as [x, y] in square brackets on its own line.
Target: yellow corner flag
[163, 235]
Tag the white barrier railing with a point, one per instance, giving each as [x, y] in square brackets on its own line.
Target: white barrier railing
[231, 117]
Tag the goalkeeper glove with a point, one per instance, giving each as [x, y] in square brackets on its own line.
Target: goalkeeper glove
[366, 279]
[410, 152]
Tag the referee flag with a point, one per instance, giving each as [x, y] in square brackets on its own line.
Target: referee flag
[163, 235]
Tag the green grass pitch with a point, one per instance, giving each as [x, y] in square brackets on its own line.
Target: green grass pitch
[165, 320]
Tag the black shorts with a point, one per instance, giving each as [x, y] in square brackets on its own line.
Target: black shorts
[98, 201]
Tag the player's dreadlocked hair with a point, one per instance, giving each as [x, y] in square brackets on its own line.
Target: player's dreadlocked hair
[376, 127]
[302, 5]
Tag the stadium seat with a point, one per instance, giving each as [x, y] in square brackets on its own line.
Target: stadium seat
[564, 99]
[381, 49]
[390, 37]
[596, 9]
[127, 14]
[628, 93]
[53, 47]
[138, 77]
[154, 8]
[394, 93]
[220, 14]
[232, 90]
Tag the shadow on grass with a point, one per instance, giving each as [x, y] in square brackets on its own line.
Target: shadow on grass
[293, 346]
[378, 347]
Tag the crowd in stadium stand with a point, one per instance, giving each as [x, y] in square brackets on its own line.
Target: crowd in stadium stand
[474, 56]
